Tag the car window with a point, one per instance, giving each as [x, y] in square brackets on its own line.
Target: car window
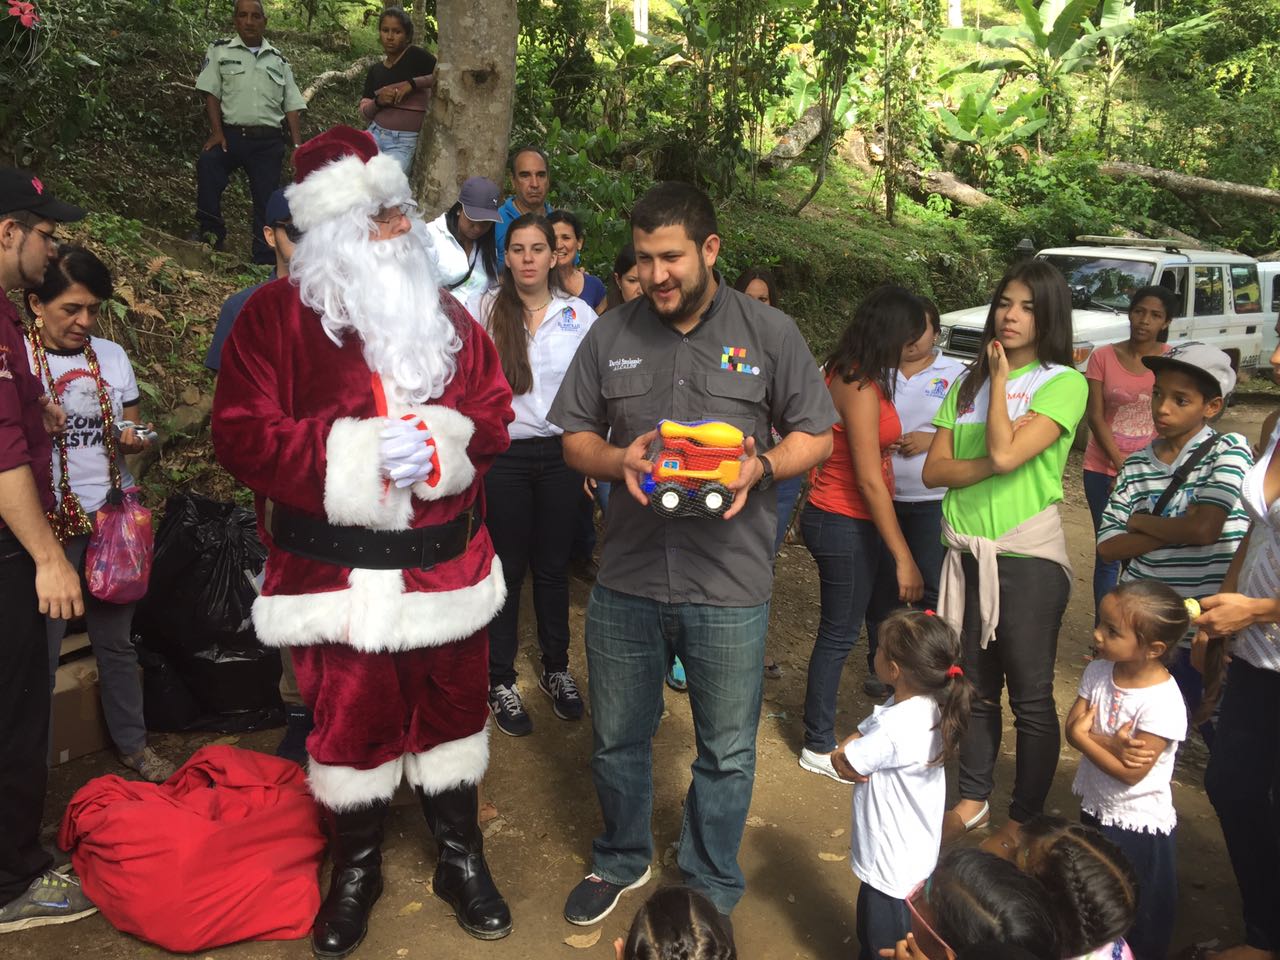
[1275, 293]
[1245, 289]
[1102, 281]
[1209, 293]
[1175, 279]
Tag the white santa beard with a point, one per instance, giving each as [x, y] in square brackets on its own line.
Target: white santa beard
[385, 291]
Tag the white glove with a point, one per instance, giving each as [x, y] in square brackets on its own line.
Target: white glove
[406, 452]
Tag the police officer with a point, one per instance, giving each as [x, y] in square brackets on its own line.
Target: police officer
[249, 89]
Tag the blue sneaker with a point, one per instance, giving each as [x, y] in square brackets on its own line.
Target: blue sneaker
[675, 676]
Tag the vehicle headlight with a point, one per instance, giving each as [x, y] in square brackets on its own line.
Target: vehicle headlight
[944, 337]
[1081, 352]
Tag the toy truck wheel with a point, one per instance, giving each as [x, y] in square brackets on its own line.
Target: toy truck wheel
[666, 499]
[715, 498]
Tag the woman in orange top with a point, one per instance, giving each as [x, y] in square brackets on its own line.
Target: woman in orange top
[850, 519]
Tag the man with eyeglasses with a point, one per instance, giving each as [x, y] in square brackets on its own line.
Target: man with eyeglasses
[363, 405]
[280, 235]
[35, 577]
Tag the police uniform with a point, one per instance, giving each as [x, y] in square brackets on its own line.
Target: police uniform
[255, 91]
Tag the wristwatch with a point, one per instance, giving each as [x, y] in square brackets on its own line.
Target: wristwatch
[766, 478]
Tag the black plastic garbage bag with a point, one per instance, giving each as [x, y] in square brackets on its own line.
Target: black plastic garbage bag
[202, 579]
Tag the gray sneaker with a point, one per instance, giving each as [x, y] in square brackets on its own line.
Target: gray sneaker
[153, 767]
[52, 898]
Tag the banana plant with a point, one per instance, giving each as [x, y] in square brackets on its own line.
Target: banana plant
[1053, 41]
[985, 129]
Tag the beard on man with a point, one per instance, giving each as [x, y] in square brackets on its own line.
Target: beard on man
[362, 405]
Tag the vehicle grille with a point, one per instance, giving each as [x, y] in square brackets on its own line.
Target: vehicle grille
[965, 341]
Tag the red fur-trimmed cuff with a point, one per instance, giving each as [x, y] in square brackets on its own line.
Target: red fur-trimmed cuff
[346, 788]
[451, 434]
[356, 493]
[450, 764]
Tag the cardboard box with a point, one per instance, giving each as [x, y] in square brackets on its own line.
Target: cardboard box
[78, 724]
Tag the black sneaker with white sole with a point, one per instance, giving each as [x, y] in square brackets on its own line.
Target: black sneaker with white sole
[560, 686]
[594, 898]
[509, 712]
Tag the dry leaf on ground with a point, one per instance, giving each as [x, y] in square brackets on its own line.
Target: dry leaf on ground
[583, 941]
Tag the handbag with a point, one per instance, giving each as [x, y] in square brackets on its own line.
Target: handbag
[117, 563]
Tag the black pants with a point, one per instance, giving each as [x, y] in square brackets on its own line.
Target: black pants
[1243, 781]
[531, 507]
[261, 160]
[1033, 598]
[24, 722]
[881, 922]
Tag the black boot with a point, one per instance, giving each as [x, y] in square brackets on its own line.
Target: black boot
[462, 877]
[355, 846]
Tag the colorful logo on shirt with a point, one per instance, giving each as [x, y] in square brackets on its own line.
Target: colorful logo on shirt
[937, 387]
[735, 358]
[569, 320]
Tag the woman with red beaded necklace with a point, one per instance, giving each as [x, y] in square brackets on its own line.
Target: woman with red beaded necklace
[92, 380]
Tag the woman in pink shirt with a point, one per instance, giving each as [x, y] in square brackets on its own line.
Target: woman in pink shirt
[1119, 409]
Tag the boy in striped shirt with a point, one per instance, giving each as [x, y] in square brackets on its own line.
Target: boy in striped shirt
[1191, 541]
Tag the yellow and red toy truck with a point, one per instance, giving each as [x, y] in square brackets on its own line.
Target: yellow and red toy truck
[693, 464]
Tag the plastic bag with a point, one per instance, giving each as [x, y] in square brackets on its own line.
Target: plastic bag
[693, 465]
[117, 562]
[202, 582]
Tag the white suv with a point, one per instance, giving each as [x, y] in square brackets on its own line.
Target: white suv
[1219, 294]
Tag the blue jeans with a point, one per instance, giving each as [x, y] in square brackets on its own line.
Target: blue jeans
[629, 644]
[1243, 783]
[921, 525]
[399, 144]
[788, 492]
[847, 551]
[1097, 490]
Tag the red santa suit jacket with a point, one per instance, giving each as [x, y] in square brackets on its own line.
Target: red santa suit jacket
[294, 419]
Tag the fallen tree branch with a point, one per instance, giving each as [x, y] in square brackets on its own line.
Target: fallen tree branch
[335, 76]
[1181, 183]
[795, 141]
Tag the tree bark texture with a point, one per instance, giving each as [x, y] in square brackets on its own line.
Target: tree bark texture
[468, 124]
[1182, 183]
[794, 142]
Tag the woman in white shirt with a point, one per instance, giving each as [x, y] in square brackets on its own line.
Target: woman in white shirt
[92, 380]
[461, 243]
[531, 495]
[923, 378]
[1243, 778]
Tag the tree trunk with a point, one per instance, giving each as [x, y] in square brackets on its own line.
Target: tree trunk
[1182, 183]
[468, 122]
[333, 76]
[640, 20]
[795, 141]
[418, 16]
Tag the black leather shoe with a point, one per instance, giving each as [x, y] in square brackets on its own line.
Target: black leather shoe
[355, 844]
[462, 877]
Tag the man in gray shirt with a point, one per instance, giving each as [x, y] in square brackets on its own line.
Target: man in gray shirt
[690, 349]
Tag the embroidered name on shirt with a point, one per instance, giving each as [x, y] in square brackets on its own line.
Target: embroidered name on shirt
[624, 363]
[735, 358]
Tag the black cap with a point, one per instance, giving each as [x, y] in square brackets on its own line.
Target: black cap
[22, 190]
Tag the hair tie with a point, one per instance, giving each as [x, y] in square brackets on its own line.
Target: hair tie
[954, 671]
[930, 613]
[1193, 607]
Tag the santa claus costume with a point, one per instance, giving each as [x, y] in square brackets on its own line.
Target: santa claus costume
[362, 405]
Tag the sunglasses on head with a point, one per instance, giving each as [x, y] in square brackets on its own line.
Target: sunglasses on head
[927, 939]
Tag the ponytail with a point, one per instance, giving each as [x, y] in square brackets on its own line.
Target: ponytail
[927, 650]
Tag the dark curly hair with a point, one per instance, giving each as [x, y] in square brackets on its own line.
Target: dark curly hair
[678, 923]
[1091, 885]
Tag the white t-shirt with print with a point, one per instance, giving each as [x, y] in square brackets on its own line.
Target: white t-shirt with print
[917, 400]
[897, 813]
[551, 349]
[74, 387]
[1159, 710]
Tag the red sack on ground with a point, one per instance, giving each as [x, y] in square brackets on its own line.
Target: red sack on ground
[228, 849]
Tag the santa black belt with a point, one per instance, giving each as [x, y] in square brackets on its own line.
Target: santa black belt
[421, 548]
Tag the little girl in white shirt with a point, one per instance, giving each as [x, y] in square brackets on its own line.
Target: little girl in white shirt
[1128, 721]
[896, 760]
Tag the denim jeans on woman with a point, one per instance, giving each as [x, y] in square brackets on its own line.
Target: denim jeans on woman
[1033, 598]
[921, 524]
[847, 551]
[629, 644]
[399, 144]
[1097, 491]
[531, 497]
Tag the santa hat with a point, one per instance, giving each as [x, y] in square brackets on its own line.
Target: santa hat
[341, 171]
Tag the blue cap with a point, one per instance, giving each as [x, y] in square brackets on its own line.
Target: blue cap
[278, 208]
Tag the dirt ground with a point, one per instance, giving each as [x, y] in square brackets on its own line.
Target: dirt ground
[800, 892]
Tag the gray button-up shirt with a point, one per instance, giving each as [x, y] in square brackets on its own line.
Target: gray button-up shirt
[744, 363]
